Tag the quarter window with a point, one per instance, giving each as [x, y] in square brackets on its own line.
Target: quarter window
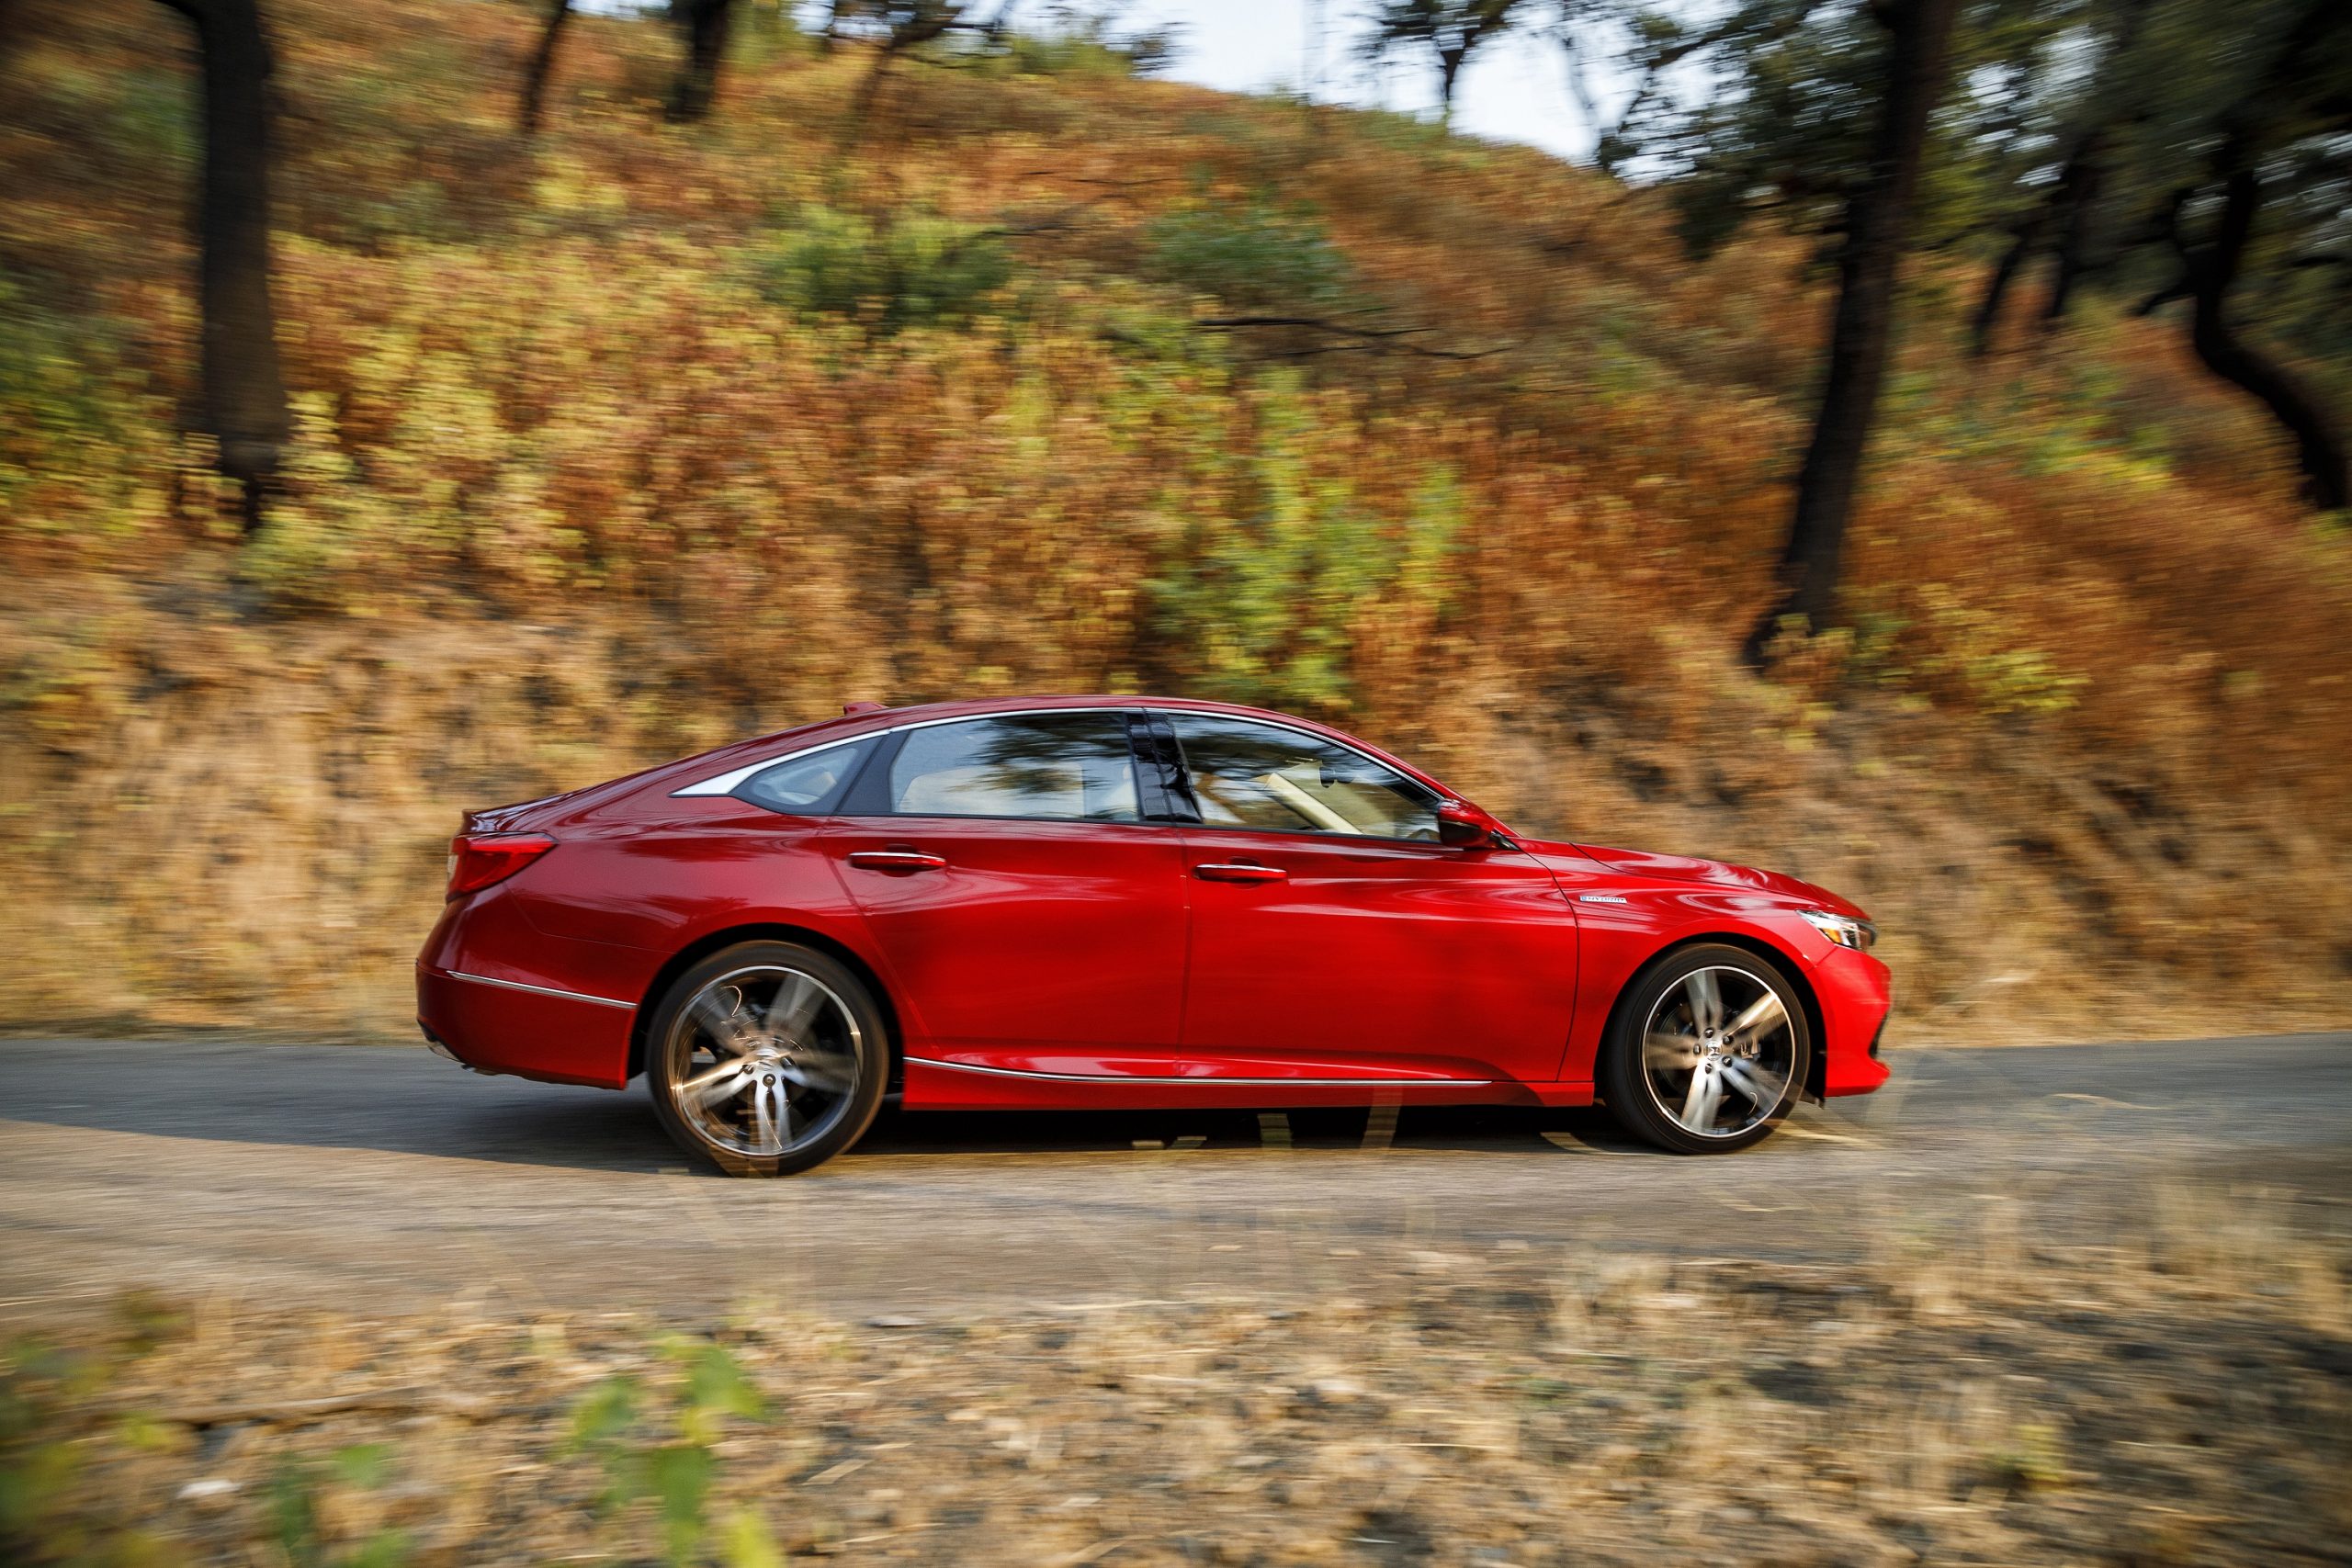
[805, 786]
[1072, 766]
[1247, 775]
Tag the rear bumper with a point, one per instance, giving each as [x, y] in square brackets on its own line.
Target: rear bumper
[532, 1032]
[502, 997]
[1855, 1000]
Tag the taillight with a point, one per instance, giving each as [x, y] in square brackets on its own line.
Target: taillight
[478, 860]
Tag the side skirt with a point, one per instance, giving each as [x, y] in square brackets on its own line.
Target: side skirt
[947, 1086]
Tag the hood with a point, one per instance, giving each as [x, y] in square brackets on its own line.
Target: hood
[1719, 874]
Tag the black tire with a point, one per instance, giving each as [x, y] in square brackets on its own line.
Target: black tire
[1636, 1089]
[847, 1036]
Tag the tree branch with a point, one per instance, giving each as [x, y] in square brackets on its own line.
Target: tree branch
[1387, 337]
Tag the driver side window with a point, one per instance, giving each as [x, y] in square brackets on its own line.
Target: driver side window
[1248, 774]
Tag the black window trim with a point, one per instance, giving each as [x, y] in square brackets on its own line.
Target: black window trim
[1170, 715]
[1159, 770]
[827, 805]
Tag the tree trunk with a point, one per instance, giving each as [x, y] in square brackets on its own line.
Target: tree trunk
[243, 399]
[707, 23]
[1449, 67]
[534, 76]
[1878, 215]
[2077, 197]
[2025, 237]
[2320, 451]
[912, 33]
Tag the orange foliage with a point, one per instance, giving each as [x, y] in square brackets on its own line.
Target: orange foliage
[580, 482]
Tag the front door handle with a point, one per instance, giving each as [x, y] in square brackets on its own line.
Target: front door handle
[1240, 871]
[895, 860]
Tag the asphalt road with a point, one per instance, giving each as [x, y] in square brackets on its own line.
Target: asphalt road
[372, 1177]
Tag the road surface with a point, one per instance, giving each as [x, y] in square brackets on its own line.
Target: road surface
[368, 1176]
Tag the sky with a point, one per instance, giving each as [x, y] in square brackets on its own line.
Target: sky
[1516, 89]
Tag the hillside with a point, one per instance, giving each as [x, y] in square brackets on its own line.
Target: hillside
[635, 439]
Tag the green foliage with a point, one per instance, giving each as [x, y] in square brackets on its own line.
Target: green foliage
[1768, 108]
[911, 269]
[716, 1386]
[1085, 49]
[68, 402]
[1979, 649]
[1961, 650]
[2031, 1460]
[292, 1504]
[611, 1424]
[1267, 607]
[365, 1466]
[747, 1542]
[43, 1458]
[33, 1472]
[150, 121]
[1258, 256]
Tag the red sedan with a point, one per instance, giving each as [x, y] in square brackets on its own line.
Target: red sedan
[1120, 902]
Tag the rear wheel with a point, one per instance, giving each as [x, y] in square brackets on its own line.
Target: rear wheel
[1709, 1052]
[767, 1059]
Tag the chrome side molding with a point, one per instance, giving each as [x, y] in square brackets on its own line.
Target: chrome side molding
[1203, 1083]
[538, 990]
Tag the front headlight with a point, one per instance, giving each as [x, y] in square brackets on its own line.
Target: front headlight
[1843, 930]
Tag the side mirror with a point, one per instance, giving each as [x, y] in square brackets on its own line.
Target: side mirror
[1463, 827]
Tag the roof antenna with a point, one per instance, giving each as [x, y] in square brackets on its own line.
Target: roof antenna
[851, 709]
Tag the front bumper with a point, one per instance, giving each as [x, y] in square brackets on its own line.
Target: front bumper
[1855, 999]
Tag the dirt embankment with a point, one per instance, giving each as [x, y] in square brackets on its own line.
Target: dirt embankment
[624, 441]
[246, 827]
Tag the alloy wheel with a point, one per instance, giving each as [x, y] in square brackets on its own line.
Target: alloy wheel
[764, 1060]
[1717, 1052]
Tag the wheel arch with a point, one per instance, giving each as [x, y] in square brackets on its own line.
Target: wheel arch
[704, 947]
[1779, 958]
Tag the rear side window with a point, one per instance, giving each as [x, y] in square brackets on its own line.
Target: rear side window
[1247, 775]
[809, 785]
[1060, 766]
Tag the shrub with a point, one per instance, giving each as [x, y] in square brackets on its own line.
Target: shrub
[1256, 257]
[1267, 602]
[913, 269]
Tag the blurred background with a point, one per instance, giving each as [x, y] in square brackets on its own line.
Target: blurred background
[1902, 443]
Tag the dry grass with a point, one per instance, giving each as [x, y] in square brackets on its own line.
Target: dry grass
[572, 494]
[2177, 1393]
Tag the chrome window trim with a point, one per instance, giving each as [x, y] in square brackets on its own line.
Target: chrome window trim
[734, 779]
[730, 781]
[1204, 1083]
[538, 990]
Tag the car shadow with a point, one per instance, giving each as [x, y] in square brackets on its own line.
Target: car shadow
[1336, 1130]
[369, 1099]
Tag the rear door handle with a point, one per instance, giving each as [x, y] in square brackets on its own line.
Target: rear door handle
[895, 860]
[1240, 871]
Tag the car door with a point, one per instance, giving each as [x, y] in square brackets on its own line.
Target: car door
[1334, 937]
[1031, 920]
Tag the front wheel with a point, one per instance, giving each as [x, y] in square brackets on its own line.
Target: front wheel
[767, 1059]
[1708, 1053]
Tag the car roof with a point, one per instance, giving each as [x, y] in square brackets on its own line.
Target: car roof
[871, 721]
